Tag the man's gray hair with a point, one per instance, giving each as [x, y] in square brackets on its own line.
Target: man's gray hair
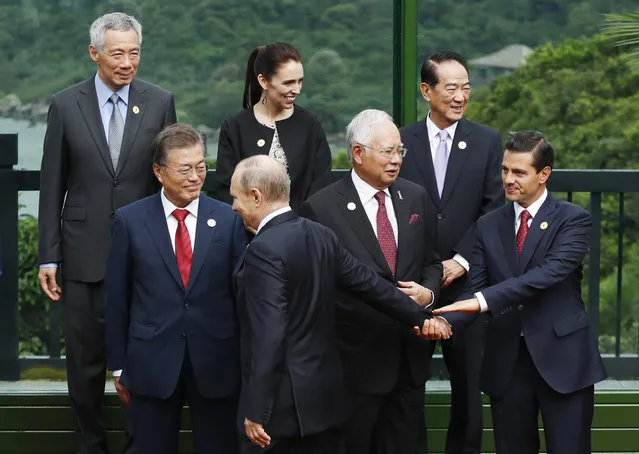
[266, 175]
[360, 129]
[113, 21]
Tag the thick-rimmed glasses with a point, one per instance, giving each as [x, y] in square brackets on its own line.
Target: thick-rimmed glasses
[388, 153]
[200, 170]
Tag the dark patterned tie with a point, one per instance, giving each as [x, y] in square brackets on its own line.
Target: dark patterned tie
[183, 251]
[385, 234]
[522, 231]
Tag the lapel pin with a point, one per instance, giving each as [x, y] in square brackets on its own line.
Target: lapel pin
[462, 145]
[543, 225]
[261, 142]
[136, 110]
[350, 206]
[211, 223]
[399, 194]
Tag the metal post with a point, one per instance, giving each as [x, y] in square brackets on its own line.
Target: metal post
[405, 61]
[9, 365]
[594, 263]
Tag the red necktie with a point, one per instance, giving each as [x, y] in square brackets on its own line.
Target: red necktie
[522, 231]
[183, 251]
[385, 234]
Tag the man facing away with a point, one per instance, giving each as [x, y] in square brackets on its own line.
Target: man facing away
[525, 274]
[293, 393]
[381, 220]
[97, 158]
[172, 335]
[457, 161]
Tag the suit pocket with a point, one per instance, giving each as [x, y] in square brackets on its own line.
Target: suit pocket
[74, 213]
[570, 324]
[142, 332]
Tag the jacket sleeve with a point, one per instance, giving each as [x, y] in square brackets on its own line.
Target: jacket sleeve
[322, 162]
[493, 194]
[117, 283]
[267, 307]
[431, 277]
[53, 187]
[228, 157]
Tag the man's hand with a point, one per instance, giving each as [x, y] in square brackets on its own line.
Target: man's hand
[256, 433]
[49, 285]
[123, 393]
[434, 329]
[421, 295]
[470, 306]
[452, 270]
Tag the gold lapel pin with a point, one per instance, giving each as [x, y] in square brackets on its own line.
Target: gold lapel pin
[543, 225]
[136, 110]
[261, 142]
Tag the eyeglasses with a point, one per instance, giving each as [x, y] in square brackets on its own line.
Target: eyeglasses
[200, 170]
[388, 153]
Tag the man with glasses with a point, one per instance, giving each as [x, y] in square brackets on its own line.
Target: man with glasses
[381, 220]
[172, 335]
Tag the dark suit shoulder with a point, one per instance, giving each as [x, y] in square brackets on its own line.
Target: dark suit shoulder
[409, 187]
[73, 90]
[569, 209]
[139, 205]
[413, 128]
[475, 127]
[142, 86]
[327, 192]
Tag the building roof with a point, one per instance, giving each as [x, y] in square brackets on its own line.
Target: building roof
[509, 57]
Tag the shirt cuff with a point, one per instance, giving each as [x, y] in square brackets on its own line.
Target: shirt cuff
[442, 318]
[482, 302]
[462, 261]
[48, 265]
[117, 373]
[432, 299]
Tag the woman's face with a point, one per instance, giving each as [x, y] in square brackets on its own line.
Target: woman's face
[284, 86]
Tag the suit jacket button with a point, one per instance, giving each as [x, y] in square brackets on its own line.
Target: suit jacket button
[440, 216]
[520, 307]
[116, 183]
[187, 307]
[112, 214]
[182, 336]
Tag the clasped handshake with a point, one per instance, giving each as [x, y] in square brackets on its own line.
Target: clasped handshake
[434, 329]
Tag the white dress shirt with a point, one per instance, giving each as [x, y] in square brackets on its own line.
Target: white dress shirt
[533, 209]
[172, 223]
[434, 140]
[367, 196]
[270, 216]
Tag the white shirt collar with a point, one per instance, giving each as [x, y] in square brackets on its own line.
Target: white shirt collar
[104, 92]
[365, 190]
[533, 208]
[169, 207]
[270, 216]
[433, 130]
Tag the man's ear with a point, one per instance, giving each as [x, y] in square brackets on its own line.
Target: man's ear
[425, 90]
[544, 175]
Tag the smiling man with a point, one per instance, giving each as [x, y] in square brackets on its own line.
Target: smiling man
[97, 158]
[525, 273]
[457, 161]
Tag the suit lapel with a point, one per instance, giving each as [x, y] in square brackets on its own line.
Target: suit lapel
[457, 159]
[88, 103]
[159, 230]
[402, 214]
[133, 120]
[358, 221]
[204, 235]
[425, 162]
[545, 214]
[507, 237]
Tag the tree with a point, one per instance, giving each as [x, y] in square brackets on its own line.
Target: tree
[623, 30]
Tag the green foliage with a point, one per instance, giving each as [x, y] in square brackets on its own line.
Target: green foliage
[33, 305]
[623, 30]
[341, 161]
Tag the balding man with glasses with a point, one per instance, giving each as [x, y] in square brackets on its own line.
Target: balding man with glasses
[380, 219]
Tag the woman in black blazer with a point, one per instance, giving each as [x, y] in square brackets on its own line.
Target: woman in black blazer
[272, 124]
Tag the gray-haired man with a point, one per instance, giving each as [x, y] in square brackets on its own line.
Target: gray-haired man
[97, 158]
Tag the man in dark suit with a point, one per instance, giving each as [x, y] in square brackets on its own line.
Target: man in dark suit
[293, 389]
[384, 362]
[457, 161]
[96, 159]
[170, 313]
[525, 273]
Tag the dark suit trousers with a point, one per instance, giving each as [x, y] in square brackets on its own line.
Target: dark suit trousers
[326, 442]
[156, 422]
[84, 332]
[386, 424]
[567, 418]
